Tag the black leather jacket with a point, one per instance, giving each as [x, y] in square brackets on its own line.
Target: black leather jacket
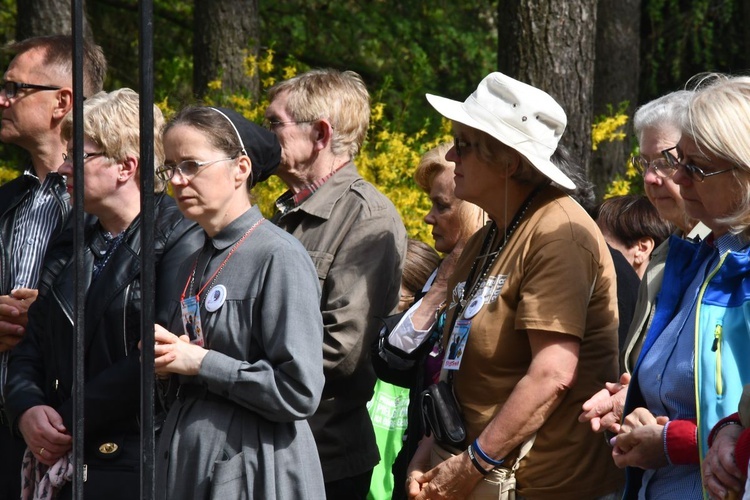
[41, 371]
[11, 195]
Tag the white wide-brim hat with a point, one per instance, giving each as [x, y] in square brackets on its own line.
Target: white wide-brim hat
[520, 116]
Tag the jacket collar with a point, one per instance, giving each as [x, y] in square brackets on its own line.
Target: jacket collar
[236, 229]
[321, 202]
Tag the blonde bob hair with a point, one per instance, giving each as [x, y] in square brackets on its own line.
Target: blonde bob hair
[717, 119]
[339, 97]
[111, 120]
[432, 164]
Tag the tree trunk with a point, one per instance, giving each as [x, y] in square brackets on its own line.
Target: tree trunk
[45, 17]
[550, 45]
[226, 33]
[616, 76]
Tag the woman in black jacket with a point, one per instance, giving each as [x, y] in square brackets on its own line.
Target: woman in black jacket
[40, 379]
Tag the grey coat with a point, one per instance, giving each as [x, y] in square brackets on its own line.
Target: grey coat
[237, 430]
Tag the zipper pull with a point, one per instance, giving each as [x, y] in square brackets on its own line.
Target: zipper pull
[717, 337]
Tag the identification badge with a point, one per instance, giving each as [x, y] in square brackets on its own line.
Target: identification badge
[191, 320]
[457, 345]
[473, 307]
[216, 297]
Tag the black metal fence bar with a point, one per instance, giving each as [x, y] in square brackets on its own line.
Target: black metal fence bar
[146, 57]
[78, 236]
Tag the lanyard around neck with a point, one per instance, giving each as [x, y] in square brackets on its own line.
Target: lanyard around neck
[191, 278]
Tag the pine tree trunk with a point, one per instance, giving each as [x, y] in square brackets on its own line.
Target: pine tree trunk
[45, 17]
[616, 77]
[550, 44]
[226, 33]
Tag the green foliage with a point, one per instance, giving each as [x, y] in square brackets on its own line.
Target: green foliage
[401, 49]
[682, 38]
[388, 158]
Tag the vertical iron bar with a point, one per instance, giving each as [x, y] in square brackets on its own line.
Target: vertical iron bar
[146, 57]
[78, 235]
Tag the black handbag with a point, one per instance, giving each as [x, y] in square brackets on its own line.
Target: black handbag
[441, 415]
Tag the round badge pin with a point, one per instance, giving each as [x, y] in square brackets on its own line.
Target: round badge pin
[216, 297]
[474, 306]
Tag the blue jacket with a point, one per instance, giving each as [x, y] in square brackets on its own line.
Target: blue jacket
[722, 340]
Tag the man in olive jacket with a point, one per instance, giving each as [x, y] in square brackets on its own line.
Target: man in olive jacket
[357, 241]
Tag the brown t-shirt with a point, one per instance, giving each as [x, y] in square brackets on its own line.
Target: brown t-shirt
[555, 274]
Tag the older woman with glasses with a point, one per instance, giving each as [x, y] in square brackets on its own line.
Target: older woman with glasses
[692, 364]
[40, 384]
[657, 126]
[244, 345]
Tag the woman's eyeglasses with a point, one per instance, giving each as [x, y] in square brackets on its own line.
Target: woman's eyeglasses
[660, 166]
[68, 157]
[695, 173]
[187, 168]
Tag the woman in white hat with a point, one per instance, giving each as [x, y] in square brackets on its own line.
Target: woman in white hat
[531, 329]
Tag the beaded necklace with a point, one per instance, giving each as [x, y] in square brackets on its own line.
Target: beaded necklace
[484, 253]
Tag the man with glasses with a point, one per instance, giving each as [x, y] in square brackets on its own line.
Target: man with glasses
[356, 240]
[35, 96]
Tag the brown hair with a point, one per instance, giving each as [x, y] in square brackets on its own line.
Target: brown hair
[58, 53]
[421, 261]
[632, 217]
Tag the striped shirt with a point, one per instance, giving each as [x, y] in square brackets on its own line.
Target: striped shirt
[35, 219]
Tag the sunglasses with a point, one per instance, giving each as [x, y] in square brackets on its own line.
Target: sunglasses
[11, 88]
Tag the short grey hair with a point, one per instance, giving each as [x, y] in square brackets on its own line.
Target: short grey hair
[665, 111]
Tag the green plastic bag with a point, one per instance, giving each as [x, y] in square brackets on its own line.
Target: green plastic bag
[388, 410]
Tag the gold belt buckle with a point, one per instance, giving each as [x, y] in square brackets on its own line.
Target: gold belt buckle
[108, 448]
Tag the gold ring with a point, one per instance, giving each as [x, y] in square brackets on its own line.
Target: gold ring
[41, 451]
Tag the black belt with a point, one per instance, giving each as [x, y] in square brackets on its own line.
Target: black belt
[197, 391]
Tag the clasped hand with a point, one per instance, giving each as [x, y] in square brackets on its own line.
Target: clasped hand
[14, 316]
[604, 409]
[173, 354]
[45, 434]
[640, 441]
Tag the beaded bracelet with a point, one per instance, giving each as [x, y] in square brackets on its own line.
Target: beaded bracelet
[476, 462]
[478, 450]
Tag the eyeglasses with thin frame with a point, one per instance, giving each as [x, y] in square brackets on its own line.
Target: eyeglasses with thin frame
[187, 168]
[68, 157]
[695, 173]
[460, 146]
[660, 166]
[11, 88]
[275, 124]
